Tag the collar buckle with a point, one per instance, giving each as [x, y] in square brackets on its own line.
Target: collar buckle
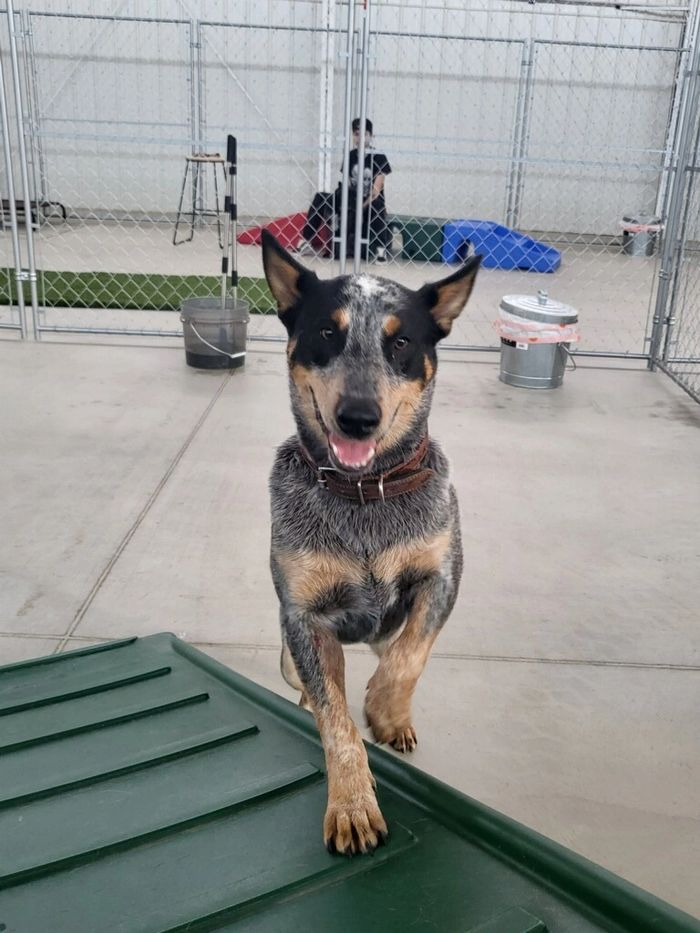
[322, 481]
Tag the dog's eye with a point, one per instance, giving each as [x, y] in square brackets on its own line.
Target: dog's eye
[327, 333]
[401, 343]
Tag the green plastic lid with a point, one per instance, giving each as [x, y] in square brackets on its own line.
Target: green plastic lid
[144, 788]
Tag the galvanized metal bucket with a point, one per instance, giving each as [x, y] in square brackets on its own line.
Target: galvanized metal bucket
[639, 234]
[215, 329]
[536, 357]
[215, 336]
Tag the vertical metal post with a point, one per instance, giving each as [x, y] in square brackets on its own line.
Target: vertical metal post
[228, 260]
[325, 136]
[344, 198]
[199, 178]
[234, 219]
[14, 232]
[43, 173]
[38, 186]
[360, 193]
[201, 120]
[671, 246]
[520, 135]
[673, 128]
[29, 233]
[192, 81]
[692, 177]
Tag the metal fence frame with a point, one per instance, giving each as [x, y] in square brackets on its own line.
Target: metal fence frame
[675, 176]
[677, 312]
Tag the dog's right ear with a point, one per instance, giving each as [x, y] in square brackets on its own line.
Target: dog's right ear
[286, 277]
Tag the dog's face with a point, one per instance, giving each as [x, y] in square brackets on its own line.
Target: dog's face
[362, 353]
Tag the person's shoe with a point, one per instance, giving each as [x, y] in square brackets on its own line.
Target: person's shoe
[381, 255]
[304, 248]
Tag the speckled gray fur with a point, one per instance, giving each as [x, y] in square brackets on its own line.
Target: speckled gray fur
[306, 516]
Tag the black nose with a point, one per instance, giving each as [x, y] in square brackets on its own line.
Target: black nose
[358, 417]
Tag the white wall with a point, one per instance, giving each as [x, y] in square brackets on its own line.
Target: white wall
[115, 106]
[598, 116]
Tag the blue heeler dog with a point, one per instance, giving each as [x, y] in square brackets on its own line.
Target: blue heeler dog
[365, 524]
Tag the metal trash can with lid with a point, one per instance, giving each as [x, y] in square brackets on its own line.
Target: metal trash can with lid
[535, 333]
[639, 234]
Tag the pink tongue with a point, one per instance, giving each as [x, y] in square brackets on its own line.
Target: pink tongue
[351, 452]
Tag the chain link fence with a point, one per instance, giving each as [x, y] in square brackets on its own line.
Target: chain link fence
[285, 148]
[680, 354]
[107, 105]
[524, 135]
[126, 119]
[529, 138]
[683, 352]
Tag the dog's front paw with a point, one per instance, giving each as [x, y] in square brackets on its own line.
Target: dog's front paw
[400, 736]
[354, 826]
[388, 715]
[404, 739]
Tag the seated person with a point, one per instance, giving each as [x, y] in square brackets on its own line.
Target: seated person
[325, 208]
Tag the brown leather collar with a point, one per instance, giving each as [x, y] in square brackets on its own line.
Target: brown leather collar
[400, 479]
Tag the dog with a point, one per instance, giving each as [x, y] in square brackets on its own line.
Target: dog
[366, 540]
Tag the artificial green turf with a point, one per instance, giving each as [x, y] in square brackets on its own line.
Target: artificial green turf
[137, 291]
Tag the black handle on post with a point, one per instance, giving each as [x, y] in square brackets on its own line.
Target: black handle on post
[230, 206]
[231, 153]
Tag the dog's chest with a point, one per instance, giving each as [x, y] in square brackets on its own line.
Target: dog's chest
[365, 596]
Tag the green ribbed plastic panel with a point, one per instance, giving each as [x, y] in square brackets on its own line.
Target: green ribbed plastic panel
[144, 787]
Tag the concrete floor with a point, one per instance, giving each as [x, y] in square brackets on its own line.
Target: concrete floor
[564, 690]
[611, 291]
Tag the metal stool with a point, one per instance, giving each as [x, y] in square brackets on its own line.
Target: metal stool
[197, 161]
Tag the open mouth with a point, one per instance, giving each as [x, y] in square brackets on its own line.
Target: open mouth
[348, 453]
[351, 454]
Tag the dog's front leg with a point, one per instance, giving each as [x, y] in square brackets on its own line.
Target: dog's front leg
[353, 821]
[390, 689]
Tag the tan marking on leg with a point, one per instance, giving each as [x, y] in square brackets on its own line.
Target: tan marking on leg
[353, 821]
[379, 647]
[390, 689]
[421, 555]
[291, 347]
[291, 676]
[309, 574]
[289, 670]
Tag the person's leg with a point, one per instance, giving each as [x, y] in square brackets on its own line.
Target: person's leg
[315, 219]
[350, 239]
[367, 245]
[380, 234]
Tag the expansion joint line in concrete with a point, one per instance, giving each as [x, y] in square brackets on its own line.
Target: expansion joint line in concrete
[87, 602]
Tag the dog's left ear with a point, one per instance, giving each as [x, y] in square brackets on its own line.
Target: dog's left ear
[446, 299]
[286, 277]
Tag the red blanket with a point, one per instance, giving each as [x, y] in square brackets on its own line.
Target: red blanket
[286, 229]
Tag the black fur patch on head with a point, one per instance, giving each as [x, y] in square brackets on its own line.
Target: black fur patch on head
[318, 326]
[410, 337]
